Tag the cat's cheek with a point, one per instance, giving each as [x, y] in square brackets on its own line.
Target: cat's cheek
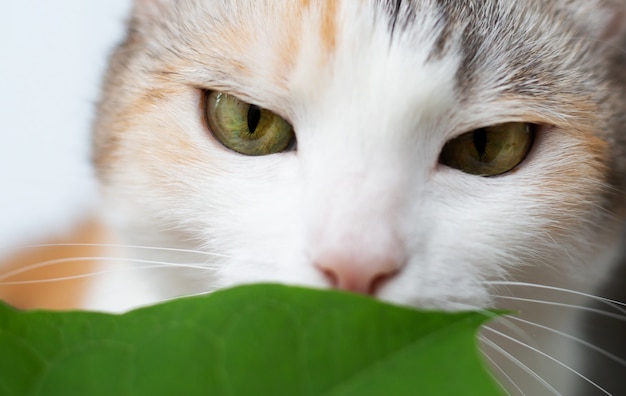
[567, 178]
[549, 205]
[441, 293]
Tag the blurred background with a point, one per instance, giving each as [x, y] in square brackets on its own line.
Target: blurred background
[53, 55]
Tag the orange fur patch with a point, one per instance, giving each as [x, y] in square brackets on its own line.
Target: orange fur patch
[328, 28]
[326, 12]
[59, 294]
[290, 47]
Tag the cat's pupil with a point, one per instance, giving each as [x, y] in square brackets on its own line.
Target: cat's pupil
[254, 116]
[480, 142]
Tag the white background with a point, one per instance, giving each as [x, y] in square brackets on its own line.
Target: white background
[52, 56]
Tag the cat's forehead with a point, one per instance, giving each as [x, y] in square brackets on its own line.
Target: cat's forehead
[281, 53]
[283, 26]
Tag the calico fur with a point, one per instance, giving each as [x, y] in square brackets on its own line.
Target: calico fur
[374, 90]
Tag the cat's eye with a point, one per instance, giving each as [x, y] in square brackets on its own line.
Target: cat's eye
[490, 151]
[246, 128]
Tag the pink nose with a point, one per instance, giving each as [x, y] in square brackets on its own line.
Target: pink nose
[361, 276]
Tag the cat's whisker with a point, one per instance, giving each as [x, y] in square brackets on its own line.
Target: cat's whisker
[565, 305]
[501, 319]
[519, 363]
[618, 305]
[573, 338]
[551, 358]
[73, 277]
[158, 264]
[112, 245]
[518, 331]
[185, 296]
[563, 249]
[504, 374]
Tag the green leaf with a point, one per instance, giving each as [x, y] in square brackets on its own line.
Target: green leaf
[250, 340]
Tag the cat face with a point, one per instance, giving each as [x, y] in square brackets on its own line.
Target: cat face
[436, 146]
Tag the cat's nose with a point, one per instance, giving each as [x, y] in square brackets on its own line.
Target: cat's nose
[363, 276]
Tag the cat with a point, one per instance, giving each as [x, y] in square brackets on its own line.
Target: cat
[460, 154]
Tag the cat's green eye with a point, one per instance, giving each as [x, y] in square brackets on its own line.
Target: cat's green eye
[246, 128]
[489, 151]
